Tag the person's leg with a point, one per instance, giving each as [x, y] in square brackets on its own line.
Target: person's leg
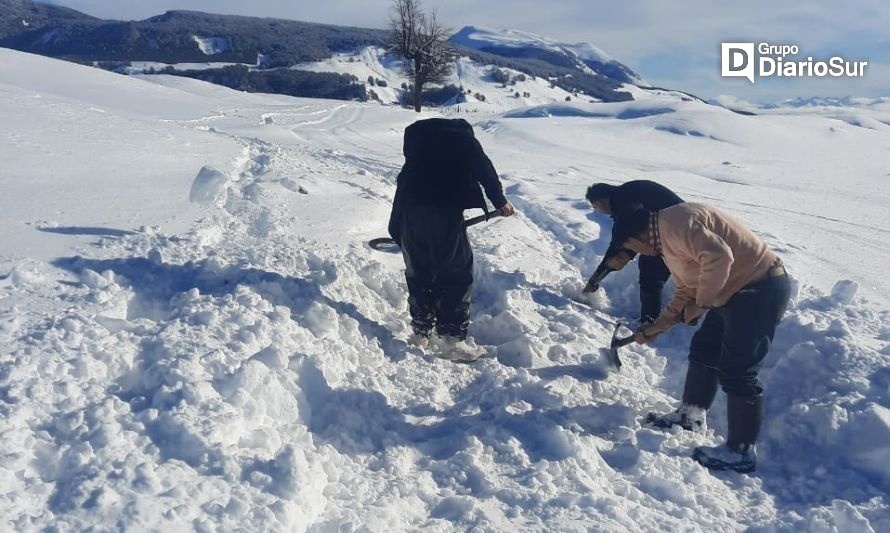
[417, 253]
[453, 279]
[704, 358]
[751, 319]
[653, 275]
[701, 379]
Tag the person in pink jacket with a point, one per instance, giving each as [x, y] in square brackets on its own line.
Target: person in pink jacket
[728, 275]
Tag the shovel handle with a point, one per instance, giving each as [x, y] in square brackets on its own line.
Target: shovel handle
[482, 218]
[619, 342]
[386, 244]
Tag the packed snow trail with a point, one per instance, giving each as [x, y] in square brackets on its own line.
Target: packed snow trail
[252, 371]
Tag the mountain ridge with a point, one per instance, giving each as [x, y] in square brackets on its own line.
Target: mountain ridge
[176, 37]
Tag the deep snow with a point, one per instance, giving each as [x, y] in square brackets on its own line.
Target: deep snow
[239, 361]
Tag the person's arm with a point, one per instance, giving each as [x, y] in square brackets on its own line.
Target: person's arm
[675, 312]
[714, 259]
[672, 315]
[615, 259]
[485, 173]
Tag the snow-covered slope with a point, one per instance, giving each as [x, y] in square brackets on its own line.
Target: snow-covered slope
[88, 153]
[248, 369]
[516, 43]
[482, 92]
[873, 113]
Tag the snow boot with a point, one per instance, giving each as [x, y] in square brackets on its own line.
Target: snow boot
[701, 385]
[688, 417]
[420, 339]
[745, 416]
[458, 349]
[741, 458]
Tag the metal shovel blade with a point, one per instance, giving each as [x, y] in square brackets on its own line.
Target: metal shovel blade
[618, 342]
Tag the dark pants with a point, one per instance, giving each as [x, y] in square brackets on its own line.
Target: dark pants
[438, 269]
[653, 275]
[729, 347]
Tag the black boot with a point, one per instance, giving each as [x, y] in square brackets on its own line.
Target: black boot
[745, 414]
[650, 305]
[688, 417]
[701, 385]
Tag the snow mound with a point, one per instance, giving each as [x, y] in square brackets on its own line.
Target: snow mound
[208, 186]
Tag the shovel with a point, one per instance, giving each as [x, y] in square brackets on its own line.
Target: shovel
[386, 244]
[618, 342]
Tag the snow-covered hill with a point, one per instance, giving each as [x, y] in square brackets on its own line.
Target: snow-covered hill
[515, 43]
[238, 361]
[482, 91]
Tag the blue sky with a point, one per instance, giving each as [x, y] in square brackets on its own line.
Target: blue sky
[674, 44]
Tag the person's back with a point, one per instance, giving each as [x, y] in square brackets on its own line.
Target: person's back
[444, 167]
[445, 164]
[711, 253]
[615, 201]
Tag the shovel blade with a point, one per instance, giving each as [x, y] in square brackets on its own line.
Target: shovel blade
[617, 342]
[614, 360]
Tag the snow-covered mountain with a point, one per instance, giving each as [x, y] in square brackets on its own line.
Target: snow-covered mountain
[520, 44]
[194, 334]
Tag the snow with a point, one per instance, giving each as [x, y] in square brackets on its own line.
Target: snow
[240, 362]
[871, 113]
[208, 186]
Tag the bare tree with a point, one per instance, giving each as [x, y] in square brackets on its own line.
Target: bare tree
[423, 43]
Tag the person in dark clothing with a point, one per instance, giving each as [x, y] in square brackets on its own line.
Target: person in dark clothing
[613, 201]
[444, 167]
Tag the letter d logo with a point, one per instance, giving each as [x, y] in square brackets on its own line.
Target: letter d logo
[737, 60]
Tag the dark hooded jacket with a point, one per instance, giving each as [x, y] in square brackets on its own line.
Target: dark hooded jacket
[444, 166]
[628, 197]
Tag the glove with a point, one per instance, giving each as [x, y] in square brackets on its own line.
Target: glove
[619, 260]
[647, 333]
